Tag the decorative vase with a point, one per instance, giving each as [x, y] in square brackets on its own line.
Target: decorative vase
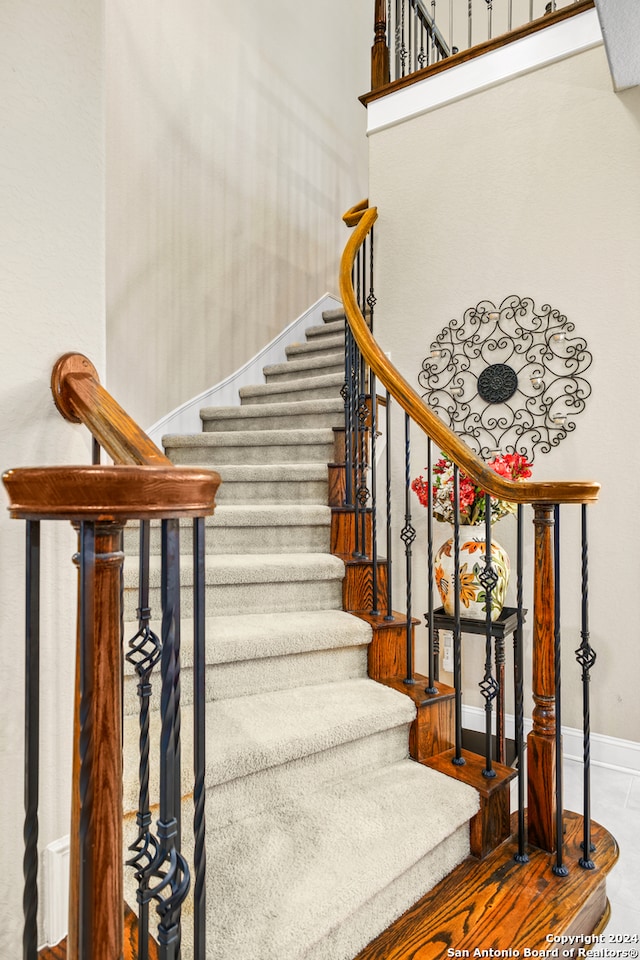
[471, 574]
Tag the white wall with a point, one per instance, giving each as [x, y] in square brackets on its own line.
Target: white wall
[52, 252]
[235, 141]
[532, 187]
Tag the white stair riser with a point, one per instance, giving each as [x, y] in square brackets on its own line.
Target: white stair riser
[244, 677]
[225, 599]
[253, 454]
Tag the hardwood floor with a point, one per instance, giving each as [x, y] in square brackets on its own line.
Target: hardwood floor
[499, 905]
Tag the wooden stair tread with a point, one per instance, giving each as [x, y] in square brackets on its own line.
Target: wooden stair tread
[500, 904]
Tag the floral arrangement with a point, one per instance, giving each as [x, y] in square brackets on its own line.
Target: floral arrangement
[513, 466]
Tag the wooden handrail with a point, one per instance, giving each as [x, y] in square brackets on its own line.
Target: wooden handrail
[521, 491]
[81, 398]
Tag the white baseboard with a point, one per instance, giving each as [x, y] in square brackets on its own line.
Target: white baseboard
[611, 752]
[186, 417]
[56, 890]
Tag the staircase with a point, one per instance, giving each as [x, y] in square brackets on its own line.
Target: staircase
[320, 829]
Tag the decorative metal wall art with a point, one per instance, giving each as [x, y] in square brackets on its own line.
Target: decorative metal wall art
[508, 379]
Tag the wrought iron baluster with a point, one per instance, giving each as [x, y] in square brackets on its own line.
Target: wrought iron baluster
[457, 633]
[586, 657]
[510, 16]
[470, 22]
[490, 18]
[374, 497]
[347, 393]
[488, 577]
[358, 414]
[389, 613]
[403, 49]
[144, 653]
[559, 868]
[530, 10]
[95, 451]
[433, 31]
[431, 653]
[407, 536]
[87, 563]
[518, 666]
[364, 412]
[31, 740]
[170, 869]
[199, 739]
[450, 27]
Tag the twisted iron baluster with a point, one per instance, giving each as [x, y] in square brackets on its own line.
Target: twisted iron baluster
[403, 49]
[199, 742]
[488, 578]
[346, 393]
[586, 657]
[169, 868]
[518, 666]
[408, 535]
[144, 653]
[470, 21]
[31, 740]
[389, 613]
[457, 633]
[433, 666]
[558, 868]
[363, 417]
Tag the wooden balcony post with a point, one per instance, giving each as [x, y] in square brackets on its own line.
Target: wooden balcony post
[541, 747]
[380, 51]
[96, 833]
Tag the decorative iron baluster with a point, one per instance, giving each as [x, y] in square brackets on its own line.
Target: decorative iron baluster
[403, 49]
[359, 415]
[431, 654]
[422, 57]
[408, 535]
[95, 451]
[199, 739]
[347, 393]
[558, 868]
[510, 17]
[363, 411]
[389, 613]
[371, 303]
[490, 16]
[87, 564]
[433, 31]
[457, 633]
[530, 10]
[470, 22]
[586, 657]
[488, 578]
[518, 666]
[170, 869]
[31, 740]
[144, 653]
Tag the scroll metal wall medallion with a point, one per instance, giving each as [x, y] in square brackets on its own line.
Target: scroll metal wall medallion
[509, 378]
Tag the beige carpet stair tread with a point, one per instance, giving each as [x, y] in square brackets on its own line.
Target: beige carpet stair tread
[316, 862]
[248, 568]
[274, 415]
[329, 328]
[332, 344]
[248, 735]
[324, 387]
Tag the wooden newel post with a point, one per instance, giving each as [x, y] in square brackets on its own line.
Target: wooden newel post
[96, 927]
[541, 745]
[380, 51]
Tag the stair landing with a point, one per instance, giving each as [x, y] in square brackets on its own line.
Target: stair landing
[499, 905]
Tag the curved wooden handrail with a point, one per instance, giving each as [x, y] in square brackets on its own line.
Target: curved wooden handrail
[110, 493]
[81, 398]
[521, 491]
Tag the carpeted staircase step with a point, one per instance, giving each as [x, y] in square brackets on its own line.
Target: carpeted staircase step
[273, 483]
[251, 447]
[315, 366]
[326, 387]
[296, 415]
[330, 316]
[266, 747]
[250, 528]
[258, 653]
[319, 345]
[328, 870]
[249, 583]
[324, 330]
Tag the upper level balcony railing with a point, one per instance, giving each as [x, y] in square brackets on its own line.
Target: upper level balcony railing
[411, 36]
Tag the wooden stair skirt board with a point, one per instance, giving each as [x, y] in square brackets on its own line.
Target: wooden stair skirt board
[498, 904]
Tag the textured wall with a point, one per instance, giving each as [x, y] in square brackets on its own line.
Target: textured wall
[235, 142]
[532, 187]
[52, 254]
